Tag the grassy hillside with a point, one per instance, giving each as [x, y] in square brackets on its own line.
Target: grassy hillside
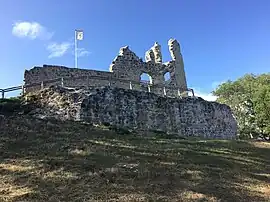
[55, 161]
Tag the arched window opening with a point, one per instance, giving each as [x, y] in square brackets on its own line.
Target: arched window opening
[167, 76]
[146, 78]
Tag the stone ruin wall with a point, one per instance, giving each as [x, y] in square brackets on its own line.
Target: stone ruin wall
[127, 66]
[140, 111]
[72, 77]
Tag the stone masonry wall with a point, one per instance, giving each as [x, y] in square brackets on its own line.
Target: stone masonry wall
[126, 66]
[140, 110]
[50, 72]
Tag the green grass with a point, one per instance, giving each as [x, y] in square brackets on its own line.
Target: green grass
[55, 161]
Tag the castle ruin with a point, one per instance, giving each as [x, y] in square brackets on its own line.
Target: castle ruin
[125, 72]
[119, 97]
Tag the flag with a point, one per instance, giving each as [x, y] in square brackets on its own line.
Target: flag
[79, 35]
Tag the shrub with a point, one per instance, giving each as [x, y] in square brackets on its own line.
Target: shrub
[10, 105]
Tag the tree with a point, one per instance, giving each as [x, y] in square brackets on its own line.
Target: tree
[262, 110]
[249, 99]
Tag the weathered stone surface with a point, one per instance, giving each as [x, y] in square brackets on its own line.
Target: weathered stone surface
[139, 110]
[180, 76]
[154, 54]
[149, 56]
[127, 66]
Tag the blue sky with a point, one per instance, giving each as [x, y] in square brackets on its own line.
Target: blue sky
[220, 39]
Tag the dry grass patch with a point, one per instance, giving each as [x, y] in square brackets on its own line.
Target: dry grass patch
[66, 161]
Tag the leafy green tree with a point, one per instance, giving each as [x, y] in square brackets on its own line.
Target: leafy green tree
[249, 99]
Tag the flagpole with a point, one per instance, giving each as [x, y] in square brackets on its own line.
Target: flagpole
[76, 57]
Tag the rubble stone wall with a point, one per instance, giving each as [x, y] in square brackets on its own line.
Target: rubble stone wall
[189, 116]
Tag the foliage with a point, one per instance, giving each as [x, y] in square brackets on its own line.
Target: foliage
[249, 99]
[10, 105]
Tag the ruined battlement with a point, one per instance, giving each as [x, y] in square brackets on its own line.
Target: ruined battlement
[127, 66]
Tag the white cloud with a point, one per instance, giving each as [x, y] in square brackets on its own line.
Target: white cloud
[205, 96]
[31, 30]
[82, 52]
[34, 30]
[58, 49]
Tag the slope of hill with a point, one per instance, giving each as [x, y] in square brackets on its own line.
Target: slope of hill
[49, 160]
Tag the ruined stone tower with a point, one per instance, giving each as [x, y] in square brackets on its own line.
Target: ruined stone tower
[174, 48]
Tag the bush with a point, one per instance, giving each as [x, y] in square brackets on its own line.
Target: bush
[10, 105]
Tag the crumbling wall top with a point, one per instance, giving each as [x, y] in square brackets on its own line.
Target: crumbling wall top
[127, 64]
[174, 48]
[154, 54]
